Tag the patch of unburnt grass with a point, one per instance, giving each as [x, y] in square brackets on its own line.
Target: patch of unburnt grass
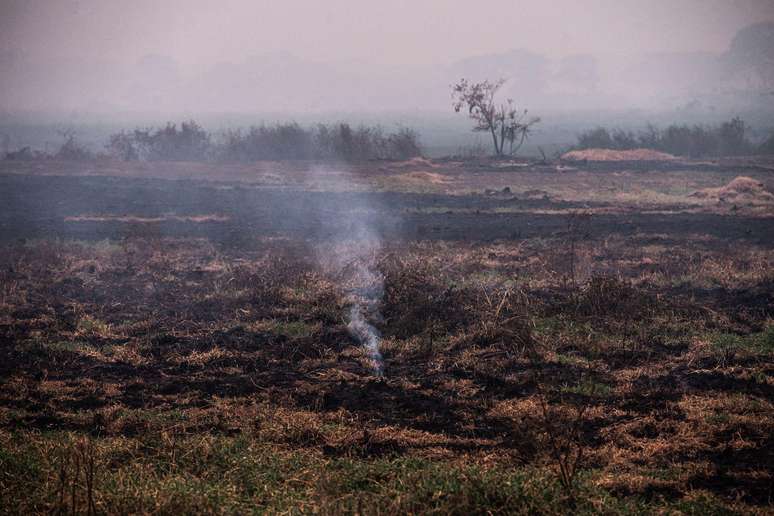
[237, 474]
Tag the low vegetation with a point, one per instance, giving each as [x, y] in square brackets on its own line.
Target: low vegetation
[282, 141]
[331, 142]
[725, 139]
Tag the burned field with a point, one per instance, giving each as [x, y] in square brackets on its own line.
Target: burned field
[550, 341]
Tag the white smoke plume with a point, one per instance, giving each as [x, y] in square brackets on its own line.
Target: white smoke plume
[365, 333]
[355, 260]
[348, 248]
[368, 336]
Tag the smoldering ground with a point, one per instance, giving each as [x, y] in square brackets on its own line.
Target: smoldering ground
[348, 245]
[222, 351]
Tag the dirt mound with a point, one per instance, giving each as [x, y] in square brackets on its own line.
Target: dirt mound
[740, 189]
[617, 155]
[423, 177]
[418, 162]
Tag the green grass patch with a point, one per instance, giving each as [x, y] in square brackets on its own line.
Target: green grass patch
[588, 388]
[92, 325]
[757, 343]
[295, 329]
[237, 475]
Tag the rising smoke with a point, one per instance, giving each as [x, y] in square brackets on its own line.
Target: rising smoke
[364, 292]
[348, 247]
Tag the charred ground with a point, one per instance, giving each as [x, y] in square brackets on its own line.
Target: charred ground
[588, 340]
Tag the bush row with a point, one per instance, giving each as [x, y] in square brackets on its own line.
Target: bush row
[725, 139]
[188, 141]
[282, 141]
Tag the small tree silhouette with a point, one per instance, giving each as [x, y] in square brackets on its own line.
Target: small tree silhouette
[504, 122]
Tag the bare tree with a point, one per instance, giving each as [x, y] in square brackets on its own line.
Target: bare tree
[504, 122]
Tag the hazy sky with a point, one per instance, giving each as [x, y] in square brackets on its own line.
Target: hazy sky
[196, 32]
[364, 55]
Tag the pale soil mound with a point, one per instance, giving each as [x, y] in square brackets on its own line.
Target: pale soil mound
[617, 155]
[418, 162]
[741, 188]
[423, 177]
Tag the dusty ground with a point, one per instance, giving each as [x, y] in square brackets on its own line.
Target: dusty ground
[587, 340]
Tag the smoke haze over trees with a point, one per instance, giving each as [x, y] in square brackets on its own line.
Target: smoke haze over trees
[161, 59]
[618, 64]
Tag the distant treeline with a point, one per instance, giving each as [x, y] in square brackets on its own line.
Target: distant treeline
[188, 141]
[725, 139]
